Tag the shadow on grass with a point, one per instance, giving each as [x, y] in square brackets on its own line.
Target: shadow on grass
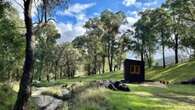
[178, 98]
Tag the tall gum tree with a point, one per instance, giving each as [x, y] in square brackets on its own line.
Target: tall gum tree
[25, 83]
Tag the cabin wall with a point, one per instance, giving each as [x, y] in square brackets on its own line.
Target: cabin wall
[133, 76]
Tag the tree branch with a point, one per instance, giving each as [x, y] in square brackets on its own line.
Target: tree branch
[19, 3]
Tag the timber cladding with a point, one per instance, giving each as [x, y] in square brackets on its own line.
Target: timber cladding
[134, 71]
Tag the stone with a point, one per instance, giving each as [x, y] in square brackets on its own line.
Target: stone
[44, 102]
[121, 86]
[65, 94]
[117, 85]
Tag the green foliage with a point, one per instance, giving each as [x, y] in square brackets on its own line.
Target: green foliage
[11, 43]
[7, 96]
[101, 42]
[145, 39]
[46, 39]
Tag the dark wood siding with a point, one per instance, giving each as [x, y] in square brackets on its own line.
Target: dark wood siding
[134, 71]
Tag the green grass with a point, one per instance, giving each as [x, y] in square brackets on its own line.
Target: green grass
[154, 98]
[176, 73]
[174, 97]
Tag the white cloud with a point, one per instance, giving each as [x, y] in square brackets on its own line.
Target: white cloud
[129, 2]
[76, 9]
[149, 4]
[69, 31]
[131, 21]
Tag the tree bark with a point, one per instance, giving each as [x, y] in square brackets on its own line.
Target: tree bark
[111, 55]
[176, 49]
[25, 83]
[142, 51]
[163, 49]
[103, 64]
[45, 10]
[142, 56]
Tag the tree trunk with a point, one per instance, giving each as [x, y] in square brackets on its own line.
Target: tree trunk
[176, 49]
[109, 57]
[112, 56]
[45, 10]
[142, 51]
[95, 64]
[25, 83]
[163, 49]
[142, 56]
[103, 64]
[61, 72]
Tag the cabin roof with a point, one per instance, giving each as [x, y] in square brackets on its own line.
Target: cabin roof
[131, 60]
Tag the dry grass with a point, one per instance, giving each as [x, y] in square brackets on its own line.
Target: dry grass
[90, 98]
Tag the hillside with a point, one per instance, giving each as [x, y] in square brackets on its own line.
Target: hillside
[183, 71]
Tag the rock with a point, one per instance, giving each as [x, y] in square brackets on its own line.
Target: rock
[112, 86]
[65, 94]
[191, 81]
[117, 85]
[121, 86]
[44, 102]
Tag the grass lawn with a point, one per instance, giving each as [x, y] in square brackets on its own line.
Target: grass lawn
[176, 73]
[175, 97]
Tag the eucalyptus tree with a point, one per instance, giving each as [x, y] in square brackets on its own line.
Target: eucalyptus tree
[25, 84]
[185, 11]
[111, 23]
[123, 45]
[91, 46]
[144, 42]
[180, 10]
[189, 39]
[11, 41]
[46, 40]
[69, 60]
[94, 44]
[162, 23]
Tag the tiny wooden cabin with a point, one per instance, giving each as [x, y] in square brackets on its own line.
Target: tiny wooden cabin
[134, 71]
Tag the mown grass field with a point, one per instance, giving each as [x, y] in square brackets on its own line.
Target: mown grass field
[173, 97]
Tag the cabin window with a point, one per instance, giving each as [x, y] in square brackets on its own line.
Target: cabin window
[135, 69]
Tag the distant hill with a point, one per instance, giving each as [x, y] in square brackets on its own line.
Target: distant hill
[170, 60]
